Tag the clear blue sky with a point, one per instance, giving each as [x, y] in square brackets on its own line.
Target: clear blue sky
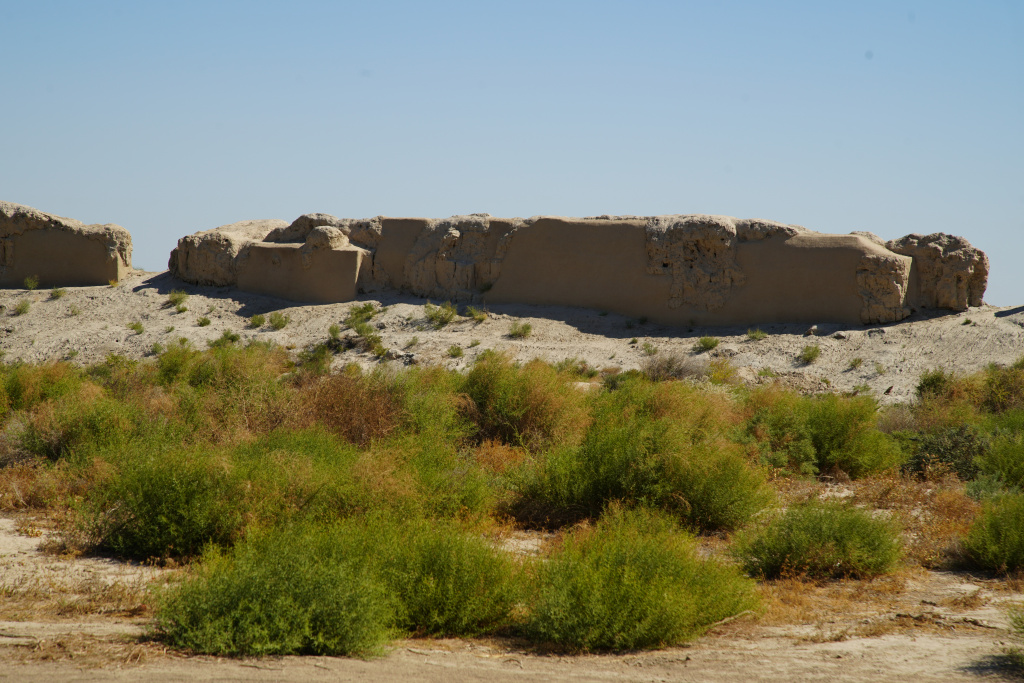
[174, 117]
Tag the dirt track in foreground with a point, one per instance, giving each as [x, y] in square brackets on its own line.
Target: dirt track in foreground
[916, 626]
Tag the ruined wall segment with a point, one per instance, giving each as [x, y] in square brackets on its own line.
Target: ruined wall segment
[947, 273]
[679, 269]
[60, 252]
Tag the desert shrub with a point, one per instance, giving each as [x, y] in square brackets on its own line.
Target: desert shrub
[820, 540]
[23, 307]
[23, 386]
[953, 449]
[672, 365]
[162, 504]
[1004, 388]
[57, 292]
[530, 405]
[278, 320]
[227, 338]
[658, 445]
[713, 488]
[706, 344]
[778, 428]
[520, 330]
[358, 407]
[934, 383]
[31, 282]
[478, 315]
[203, 322]
[576, 368]
[439, 316]
[810, 353]
[285, 592]
[1004, 459]
[633, 581]
[756, 334]
[845, 437]
[358, 320]
[136, 327]
[447, 582]
[257, 320]
[80, 425]
[175, 299]
[996, 539]
[316, 359]
[455, 351]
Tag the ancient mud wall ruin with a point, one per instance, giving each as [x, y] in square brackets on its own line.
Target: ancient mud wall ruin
[679, 269]
[59, 251]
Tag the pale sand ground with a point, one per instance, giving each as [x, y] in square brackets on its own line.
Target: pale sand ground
[918, 633]
[892, 355]
[911, 637]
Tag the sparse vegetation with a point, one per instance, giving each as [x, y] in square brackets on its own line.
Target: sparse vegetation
[439, 316]
[855, 363]
[203, 322]
[810, 353]
[520, 330]
[74, 310]
[756, 334]
[176, 299]
[57, 293]
[257, 321]
[648, 349]
[478, 315]
[455, 351]
[136, 327]
[278, 320]
[31, 283]
[334, 332]
[706, 344]
[23, 307]
[294, 494]
[821, 540]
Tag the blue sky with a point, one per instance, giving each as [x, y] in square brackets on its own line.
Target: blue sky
[174, 117]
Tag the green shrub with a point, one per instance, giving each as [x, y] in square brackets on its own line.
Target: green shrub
[1004, 388]
[778, 427]
[855, 363]
[1003, 459]
[455, 351]
[934, 383]
[163, 504]
[23, 307]
[227, 338]
[810, 353]
[278, 320]
[996, 539]
[203, 322]
[820, 540]
[706, 344]
[176, 299]
[448, 582]
[520, 330]
[57, 292]
[631, 582]
[439, 316]
[955, 449]
[257, 321]
[756, 334]
[845, 437]
[334, 332]
[530, 405]
[282, 593]
[136, 327]
[640, 451]
[478, 315]
[31, 282]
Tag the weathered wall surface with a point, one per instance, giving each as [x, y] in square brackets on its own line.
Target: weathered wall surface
[678, 269]
[59, 251]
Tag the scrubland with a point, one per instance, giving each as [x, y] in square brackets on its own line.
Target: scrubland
[310, 511]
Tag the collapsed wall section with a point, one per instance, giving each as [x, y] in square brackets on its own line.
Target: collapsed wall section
[59, 251]
[680, 269]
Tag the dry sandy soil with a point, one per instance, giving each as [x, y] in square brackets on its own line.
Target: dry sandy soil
[87, 323]
[85, 619]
